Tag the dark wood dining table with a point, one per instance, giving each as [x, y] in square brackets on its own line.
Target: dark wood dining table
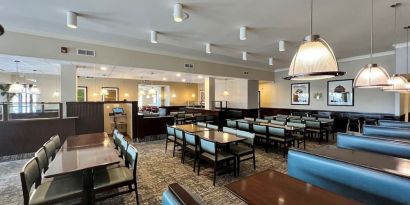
[191, 128]
[271, 187]
[219, 137]
[82, 154]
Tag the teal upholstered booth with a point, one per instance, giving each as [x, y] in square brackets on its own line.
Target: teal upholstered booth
[380, 131]
[394, 123]
[382, 145]
[361, 183]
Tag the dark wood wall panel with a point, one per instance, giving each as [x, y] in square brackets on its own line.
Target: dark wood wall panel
[90, 116]
[26, 136]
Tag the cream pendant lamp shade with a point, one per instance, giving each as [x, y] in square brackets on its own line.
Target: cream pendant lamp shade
[398, 83]
[314, 59]
[34, 90]
[371, 75]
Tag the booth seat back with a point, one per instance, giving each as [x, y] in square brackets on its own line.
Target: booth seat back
[380, 131]
[374, 144]
[177, 195]
[393, 123]
[359, 183]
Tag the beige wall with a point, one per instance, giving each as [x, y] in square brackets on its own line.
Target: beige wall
[277, 95]
[183, 91]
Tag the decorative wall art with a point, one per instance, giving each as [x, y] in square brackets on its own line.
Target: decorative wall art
[340, 93]
[300, 93]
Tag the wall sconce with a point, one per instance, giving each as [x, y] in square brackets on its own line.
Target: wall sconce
[317, 96]
[174, 95]
[126, 95]
[193, 95]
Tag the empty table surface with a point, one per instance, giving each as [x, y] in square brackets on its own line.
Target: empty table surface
[86, 140]
[380, 162]
[272, 187]
[192, 128]
[219, 137]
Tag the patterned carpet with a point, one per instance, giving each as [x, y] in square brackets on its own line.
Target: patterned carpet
[156, 170]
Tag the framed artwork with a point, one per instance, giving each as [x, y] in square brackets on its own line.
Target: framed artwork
[81, 93]
[340, 93]
[202, 97]
[300, 94]
[112, 94]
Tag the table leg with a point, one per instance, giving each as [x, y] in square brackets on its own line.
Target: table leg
[87, 187]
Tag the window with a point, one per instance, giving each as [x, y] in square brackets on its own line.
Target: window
[112, 94]
[23, 102]
[81, 94]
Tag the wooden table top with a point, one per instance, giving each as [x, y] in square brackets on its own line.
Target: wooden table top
[86, 140]
[384, 163]
[79, 158]
[272, 187]
[219, 137]
[192, 128]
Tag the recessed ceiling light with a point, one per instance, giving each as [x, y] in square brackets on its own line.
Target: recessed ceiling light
[178, 74]
[103, 68]
[164, 79]
[71, 19]
[154, 36]
[242, 33]
[183, 80]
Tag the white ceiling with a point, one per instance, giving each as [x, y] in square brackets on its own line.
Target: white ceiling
[344, 24]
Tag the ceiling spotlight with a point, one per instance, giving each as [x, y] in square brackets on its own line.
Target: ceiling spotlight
[71, 19]
[282, 46]
[103, 68]
[244, 55]
[164, 79]
[270, 61]
[154, 37]
[183, 80]
[179, 14]
[242, 33]
[200, 76]
[208, 48]
[178, 74]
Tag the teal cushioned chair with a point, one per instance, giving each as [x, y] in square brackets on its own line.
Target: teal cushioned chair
[109, 179]
[57, 141]
[213, 127]
[170, 136]
[261, 120]
[229, 130]
[261, 133]
[300, 134]
[209, 153]
[179, 141]
[278, 122]
[278, 135]
[316, 127]
[231, 124]
[244, 148]
[249, 119]
[269, 117]
[245, 126]
[201, 124]
[123, 146]
[50, 191]
[191, 146]
[281, 119]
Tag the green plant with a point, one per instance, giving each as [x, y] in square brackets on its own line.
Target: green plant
[4, 92]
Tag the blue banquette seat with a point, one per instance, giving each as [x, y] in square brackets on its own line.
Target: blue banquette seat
[364, 183]
[372, 130]
[394, 123]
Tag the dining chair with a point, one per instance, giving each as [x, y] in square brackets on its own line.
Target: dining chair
[294, 120]
[50, 148]
[201, 124]
[179, 141]
[261, 133]
[210, 119]
[123, 147]
[269, 117]
[278, 135]
[277, 122]
[57, 141]
[244, 148]
[329, 126]
[261, 120]
[180, 118]
[244, 126]
[114, 178]
[281, 119]
[191, 146]
[213, 127]
[229, 130]
[117, 140]
[200, 118]
[316, 127]
[209, 153]
[170, 136]
[49, 191]
[309, 118]
[231, 124]
[300, 134]
[249, 119]
[42, 160]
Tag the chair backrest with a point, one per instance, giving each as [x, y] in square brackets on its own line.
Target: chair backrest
[29, 176]
[269, 117]
[50, 148]
[207, 146]
[260, 129]
[200, 118]
[210, 117]
[229, 130]
[313, 124]
[201, 124]
[282, 116]
[57, 141]
[179, 134]
[309, 118]
[211, 126]
[295, 120]
[261, 120]
[190, 138]
[123, 146]
[294, 117]
[170, 131]
[197, 114]
[250, 137]
[231, 123]
[276, 132]
[115, 132]
[181, 115]
[276, 122]
[117, 140]
[281, 119]
[298, 125]
[244, 126]
[42, 160]
[131, 159]
[249, 119]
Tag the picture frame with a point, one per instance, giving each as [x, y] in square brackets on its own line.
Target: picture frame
[340, 92]
[113, 94]
[300, 94]
[82, 94]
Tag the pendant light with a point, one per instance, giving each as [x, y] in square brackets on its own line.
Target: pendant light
[225, 92]
[35, 90]
[16, 87]
[398, 83]
[371, 75]
[314, 59]
[103, 91]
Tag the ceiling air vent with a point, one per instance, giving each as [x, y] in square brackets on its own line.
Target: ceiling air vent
[85, 52]
[188, 65]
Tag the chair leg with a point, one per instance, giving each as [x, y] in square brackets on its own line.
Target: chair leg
[237, 165]
[199, 164]
[166, 145]
[173, 153]
[214, 173]
[254, 160]
[136, 194]
[195, 161]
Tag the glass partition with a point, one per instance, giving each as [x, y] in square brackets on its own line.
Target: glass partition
[20, 111]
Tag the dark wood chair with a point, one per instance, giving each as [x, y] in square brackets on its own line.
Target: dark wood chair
[243, 149]
[179, 141]
[300, 134]
[231, 124]
[316, 127]
[261, 134]
[245, 126]
[280, 136]
[170, 136]
[190, 146]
